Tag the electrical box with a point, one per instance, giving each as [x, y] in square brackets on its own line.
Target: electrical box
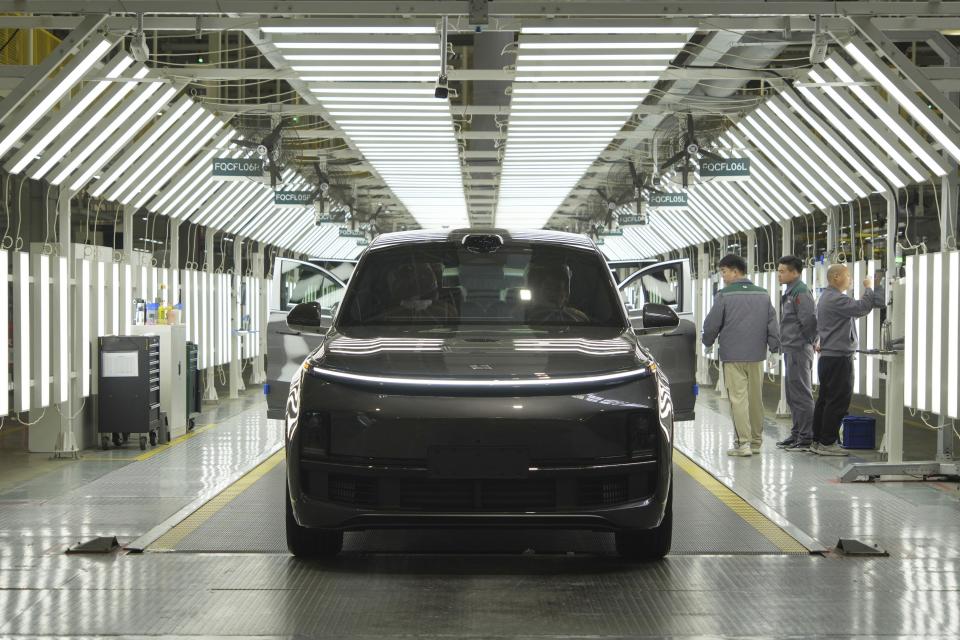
[173, 372]
[129, 385]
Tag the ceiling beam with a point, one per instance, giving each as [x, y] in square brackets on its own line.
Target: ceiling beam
[455, 8]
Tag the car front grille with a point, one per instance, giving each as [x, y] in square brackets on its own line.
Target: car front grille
[526, 494]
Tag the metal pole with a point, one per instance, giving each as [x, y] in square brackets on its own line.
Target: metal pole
[895, 364]
[236, 371]
[211, 386]
[786, 248]
[66, 445]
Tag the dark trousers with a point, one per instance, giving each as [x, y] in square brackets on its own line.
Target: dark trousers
[833, 401]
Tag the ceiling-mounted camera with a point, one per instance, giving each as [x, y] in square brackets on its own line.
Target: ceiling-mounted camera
[442, 90]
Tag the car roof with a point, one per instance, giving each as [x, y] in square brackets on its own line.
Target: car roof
[525, 236]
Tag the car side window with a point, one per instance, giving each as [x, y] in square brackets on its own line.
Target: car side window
[661, 286]
[304, 283]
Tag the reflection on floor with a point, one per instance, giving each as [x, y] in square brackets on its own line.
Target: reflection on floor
[915, 592]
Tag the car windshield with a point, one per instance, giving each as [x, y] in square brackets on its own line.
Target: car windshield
[446, 284]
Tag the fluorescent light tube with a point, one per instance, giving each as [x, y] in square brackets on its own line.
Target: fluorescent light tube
[322, 29]
[834, 143]
[611, 29]
[61, 121]
[63, 329]
[68, 142]
[134, 154]
[41, 284]
[953, 339]
[905, 99]
[22, 381]
[69, 75]
[4, 331]
[83, 297]
[861, 143]
[129, 130]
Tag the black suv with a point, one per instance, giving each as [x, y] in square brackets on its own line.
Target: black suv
[477, 378]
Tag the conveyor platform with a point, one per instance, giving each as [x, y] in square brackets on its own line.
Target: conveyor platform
[709, 519]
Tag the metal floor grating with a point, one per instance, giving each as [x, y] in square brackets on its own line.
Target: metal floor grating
[254, 523]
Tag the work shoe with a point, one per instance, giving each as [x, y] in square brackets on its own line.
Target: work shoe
[799, 446]
[742, 451]
[831, 450]
[786, 443]
[814, 447]
[755, 449]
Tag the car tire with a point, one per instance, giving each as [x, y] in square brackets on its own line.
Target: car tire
[646, 545]
[310, 543]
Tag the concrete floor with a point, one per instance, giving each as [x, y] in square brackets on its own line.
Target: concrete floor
[913, 593]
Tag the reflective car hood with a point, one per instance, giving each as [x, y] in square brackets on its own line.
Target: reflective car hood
[481, 353]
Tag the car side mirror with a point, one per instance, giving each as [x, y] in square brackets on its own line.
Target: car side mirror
[659, 316]
[307, 317]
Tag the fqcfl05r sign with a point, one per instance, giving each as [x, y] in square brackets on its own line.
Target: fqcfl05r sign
[237, 168]
[668, 200]
[726, 169]
[293, 197]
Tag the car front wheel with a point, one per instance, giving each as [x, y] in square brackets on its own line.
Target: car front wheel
[648, 544]
[311, 543]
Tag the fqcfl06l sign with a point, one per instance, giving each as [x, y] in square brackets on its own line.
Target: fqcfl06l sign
[293, 197]
[726, 169]
[668, 200]
[237, 168]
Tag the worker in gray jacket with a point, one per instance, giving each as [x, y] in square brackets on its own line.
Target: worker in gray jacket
[746, 324]
[798, 333]
[837, 315]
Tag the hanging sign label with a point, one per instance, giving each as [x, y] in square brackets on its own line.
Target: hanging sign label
[727, 169]
[626, 221]
[230, 168]
[668, 199]
[346, 232]
[363, 242]
[612, 232]
[293, 197]
[599, 241]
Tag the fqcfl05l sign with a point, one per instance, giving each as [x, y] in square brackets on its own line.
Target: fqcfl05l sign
[293, 197]
[726, 169]
[668, 200]
[237, 168]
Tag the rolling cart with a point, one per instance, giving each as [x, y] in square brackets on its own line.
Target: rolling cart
[129, 390]
[194, 390]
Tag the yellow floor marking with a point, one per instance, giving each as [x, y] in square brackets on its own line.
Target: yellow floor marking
[163, 447]
[170, 540]
[764, 526]
[160, 448]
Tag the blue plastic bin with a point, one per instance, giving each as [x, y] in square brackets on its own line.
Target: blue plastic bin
[859, 432]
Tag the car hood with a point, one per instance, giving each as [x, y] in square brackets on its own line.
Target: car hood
[481, 354]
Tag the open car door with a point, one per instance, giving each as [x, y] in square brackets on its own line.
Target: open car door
[675, 350]
[295, 282]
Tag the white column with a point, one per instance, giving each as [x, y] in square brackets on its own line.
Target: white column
[263, 313]
[786, 248]
[752, 251]
[946, 444]
[211, 386]
[894, 385]
[703, 269]
[236, 340]
[66, 338]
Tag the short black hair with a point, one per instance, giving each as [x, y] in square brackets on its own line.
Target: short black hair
[733, 261]
[792, 262]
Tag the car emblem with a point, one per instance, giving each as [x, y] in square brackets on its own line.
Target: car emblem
[481, 367]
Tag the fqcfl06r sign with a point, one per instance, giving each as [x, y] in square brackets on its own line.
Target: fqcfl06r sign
[668, 200]
[293, 197]
[726, 169]
[237, 168]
